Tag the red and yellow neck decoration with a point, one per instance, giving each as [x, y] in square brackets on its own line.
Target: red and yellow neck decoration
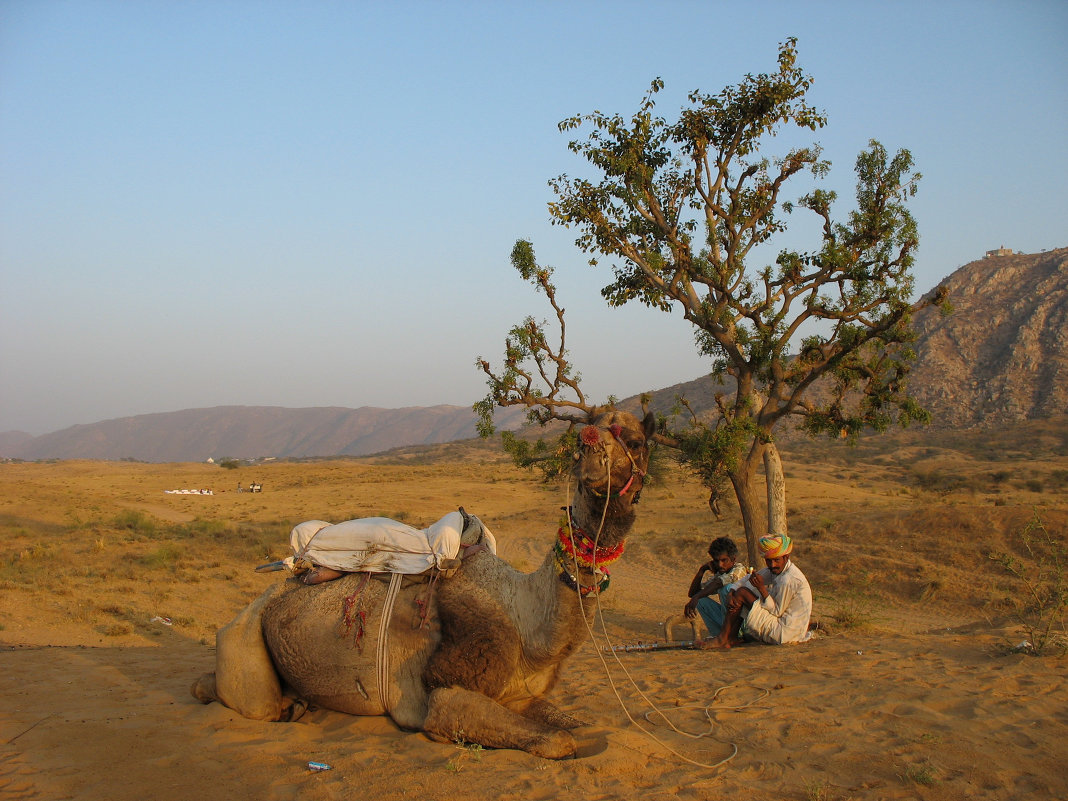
[573, 547]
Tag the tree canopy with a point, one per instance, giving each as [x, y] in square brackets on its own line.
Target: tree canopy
[679, 209]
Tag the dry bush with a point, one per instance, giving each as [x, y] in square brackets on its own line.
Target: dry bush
[1038, 596]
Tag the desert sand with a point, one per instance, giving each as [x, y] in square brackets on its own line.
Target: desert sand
[111, 590]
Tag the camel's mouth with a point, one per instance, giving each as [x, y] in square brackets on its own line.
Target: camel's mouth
[619, 482]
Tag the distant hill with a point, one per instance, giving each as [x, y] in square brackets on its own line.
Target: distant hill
[194, 435]
[12, 440]
[1000, 357]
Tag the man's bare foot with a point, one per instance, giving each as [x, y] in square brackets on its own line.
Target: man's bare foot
[320, 574]
[711, 644]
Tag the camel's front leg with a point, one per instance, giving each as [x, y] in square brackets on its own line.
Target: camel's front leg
[542, 710]
[458, 715]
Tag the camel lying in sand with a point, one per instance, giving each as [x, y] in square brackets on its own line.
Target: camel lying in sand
[467, 658]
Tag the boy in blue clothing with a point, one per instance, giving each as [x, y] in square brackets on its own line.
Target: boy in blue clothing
[725, 569]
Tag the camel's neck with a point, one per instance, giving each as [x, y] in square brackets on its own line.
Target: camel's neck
[606, 521]
[554, 604]
[553, 601]
[551, 613]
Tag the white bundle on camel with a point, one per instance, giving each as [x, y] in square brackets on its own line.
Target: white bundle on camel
[382, 545]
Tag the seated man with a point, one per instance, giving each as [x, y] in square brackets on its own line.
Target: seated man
[726, 570]
[775, 603]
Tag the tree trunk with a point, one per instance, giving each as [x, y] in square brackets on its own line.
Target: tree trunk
[749, 502]
[776, 490]
[760, 516]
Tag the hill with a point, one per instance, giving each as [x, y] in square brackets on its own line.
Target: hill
[194, 435]
[1000, 357]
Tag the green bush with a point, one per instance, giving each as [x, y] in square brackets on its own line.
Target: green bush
[163, 557]
[135, 521]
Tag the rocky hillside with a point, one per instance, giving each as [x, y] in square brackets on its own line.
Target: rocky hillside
[1002, 355]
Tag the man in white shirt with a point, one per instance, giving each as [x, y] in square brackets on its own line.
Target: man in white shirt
[775, 602]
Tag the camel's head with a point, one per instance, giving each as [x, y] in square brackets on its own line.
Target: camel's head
[613, 455]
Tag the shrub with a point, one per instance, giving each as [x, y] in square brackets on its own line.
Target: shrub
[135, 521]
[164, 556]
[923, 774]
[852, 615]
[1040, 600]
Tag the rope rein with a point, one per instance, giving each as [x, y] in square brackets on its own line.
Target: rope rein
[383, 641]
[654, 709]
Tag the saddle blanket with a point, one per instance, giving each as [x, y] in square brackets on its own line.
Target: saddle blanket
[382, 545]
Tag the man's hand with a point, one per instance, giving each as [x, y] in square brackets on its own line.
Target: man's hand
[690, 610]
[734, 603]
[758, 584]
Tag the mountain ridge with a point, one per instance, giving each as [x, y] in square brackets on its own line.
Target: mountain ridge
[218, 432]
[1001, 356]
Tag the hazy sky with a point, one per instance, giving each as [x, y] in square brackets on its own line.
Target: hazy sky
[313, 203]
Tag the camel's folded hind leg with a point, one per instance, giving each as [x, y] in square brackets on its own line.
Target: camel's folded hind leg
[245, 679]
[455, 715]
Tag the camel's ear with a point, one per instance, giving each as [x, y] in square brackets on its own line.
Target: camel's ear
[649, 424]
[594, 413]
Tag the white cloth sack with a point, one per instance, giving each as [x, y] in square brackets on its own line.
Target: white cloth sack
[380, 545]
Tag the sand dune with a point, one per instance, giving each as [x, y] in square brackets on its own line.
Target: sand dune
[907, 694]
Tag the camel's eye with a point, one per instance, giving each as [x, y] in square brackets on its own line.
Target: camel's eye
[635, 444]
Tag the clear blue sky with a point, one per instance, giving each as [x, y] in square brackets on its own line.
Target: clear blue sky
[313, 203]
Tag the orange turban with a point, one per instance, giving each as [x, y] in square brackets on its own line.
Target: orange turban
[773, 547]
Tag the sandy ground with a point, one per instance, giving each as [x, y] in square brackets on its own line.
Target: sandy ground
[929, 716]
[919, 702]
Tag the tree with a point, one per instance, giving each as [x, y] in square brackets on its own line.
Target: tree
[680, 209]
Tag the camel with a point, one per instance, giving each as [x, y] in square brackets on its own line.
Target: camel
[468, 658]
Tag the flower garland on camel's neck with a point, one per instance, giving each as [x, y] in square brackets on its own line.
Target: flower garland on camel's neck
[574, 546]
